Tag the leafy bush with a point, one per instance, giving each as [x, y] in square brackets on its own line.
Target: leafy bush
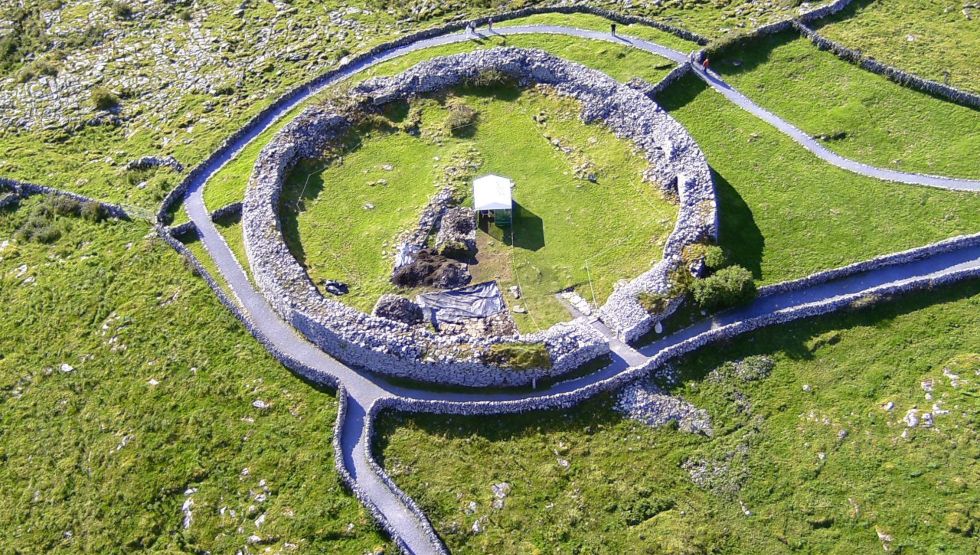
[642, 508]
[653, 303]
[104, 99]
[64, 206]
[519, 356]
[714, 256]
[40, 226]
[460, 117]
[491, 78]
[93, 211]
[121, 10]
[727, 287]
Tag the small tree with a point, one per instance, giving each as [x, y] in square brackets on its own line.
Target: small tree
[460, 118]
[726, 287]
[104, 99]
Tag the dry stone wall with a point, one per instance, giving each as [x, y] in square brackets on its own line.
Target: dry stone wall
[398, 349]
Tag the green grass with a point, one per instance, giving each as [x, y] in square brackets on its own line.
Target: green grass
[786, 214]
[945, 43]
[98, 459]
[886, 124]
[557, 228]
[624, 489]
[621, 62]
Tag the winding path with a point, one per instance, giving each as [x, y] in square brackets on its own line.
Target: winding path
[364, 390]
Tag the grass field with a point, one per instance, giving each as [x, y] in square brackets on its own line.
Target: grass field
[786, 214]
[557, 229]
[931, 38]
[620, 62]
[129, 391]
[808, 459]
[885, 124]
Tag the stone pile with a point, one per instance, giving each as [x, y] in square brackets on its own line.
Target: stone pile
[147, 162]
[647, 403]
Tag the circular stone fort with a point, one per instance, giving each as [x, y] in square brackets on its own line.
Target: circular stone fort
[436, 326]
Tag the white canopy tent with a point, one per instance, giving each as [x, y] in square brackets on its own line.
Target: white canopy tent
[492, 192]
[492, 198]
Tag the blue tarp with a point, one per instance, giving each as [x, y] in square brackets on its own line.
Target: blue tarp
[465, 303]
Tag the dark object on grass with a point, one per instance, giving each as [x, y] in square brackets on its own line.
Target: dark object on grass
[398, 308]
[336, 287]
[432, 270]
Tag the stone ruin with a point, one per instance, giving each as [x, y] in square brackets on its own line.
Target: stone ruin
[391, 340]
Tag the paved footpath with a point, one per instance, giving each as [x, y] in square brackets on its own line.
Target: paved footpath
[411, 528]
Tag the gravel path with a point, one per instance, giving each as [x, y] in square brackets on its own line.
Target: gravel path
[410, 527]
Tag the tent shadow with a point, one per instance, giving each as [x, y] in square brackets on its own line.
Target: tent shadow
[526, 229]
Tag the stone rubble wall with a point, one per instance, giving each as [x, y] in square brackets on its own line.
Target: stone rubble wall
[147, 162]
[370, 418]
[947, 245]
[24, 190]
[899, 76]
[430, 220]
[668, 80]
[397, 349]
[808, 16]
[233, 210]
[568, 399]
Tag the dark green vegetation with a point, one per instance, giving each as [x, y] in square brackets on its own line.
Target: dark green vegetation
[727, 287]
[857, 113]
[351, 213]
[519, 356]
[126, 386]
[786, 214]
[809, 452]
[935, 39]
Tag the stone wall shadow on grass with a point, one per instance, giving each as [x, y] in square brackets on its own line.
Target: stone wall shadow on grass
[738, 233]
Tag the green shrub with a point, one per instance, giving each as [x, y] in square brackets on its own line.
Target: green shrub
[519, 356]
[121, 10]
[726, 287]
[40, 226]
[104, 99]
[491, 78]
[460, 117]
[642, 508]
[93, 211]
[65, 206]
[714, 256]
[653, 303]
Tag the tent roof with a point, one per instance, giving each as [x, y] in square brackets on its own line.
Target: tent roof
[492, 192]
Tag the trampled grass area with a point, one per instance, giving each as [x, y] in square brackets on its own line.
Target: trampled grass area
[786, 214]
[810, 452]
[934, 39]
[155, 410]
[885, 124]
[351, 220]
[619, 61]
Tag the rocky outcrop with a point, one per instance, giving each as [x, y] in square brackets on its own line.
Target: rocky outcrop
[148, 162]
